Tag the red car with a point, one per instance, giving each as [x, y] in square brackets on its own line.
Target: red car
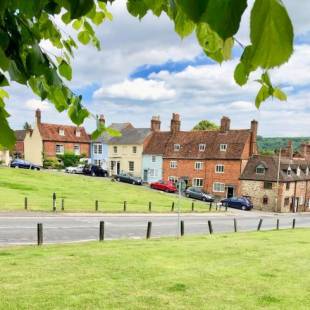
[164, 186]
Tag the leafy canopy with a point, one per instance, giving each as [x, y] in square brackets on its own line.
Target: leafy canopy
[26, 24]
[206, 125]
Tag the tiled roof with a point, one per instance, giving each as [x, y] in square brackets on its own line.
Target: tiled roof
[271, 164]
[117, 126]
[20, 135]
[189, 144]
[157, 143]
[50, 132]
[131, 136]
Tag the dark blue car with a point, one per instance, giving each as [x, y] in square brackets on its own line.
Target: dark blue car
[20, 163]
[241, 203]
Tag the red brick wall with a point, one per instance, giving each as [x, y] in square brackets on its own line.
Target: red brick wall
[19, 148]
[186, 168]
[49, 148]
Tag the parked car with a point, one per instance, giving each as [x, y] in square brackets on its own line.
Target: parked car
[95, 171]
[128, 178]
[164, 186]
[77, 169]
[242, 203]
[198, 193]
[20, 163]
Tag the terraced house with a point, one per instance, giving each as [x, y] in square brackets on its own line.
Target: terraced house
[49, 140]
[212, 160]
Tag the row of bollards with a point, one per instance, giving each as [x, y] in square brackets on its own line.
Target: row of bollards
[149, 229]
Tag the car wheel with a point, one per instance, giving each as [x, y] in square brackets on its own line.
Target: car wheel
[16, 167]
[187, 195]
[38, 169]
[204, 199]
[93, 174]
[118, 179]
[133, 183]
[74, 172]
[243, 208]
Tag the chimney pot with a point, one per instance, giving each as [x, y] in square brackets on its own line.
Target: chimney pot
[38, 116]
[155, 123]
[175, 123]
[225, 124]
[254, 128]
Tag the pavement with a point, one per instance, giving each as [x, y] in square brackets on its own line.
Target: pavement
[20, 228]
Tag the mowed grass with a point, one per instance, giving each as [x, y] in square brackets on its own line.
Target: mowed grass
[266, 270]
[80, 193]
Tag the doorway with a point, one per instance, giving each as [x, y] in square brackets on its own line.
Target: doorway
[145, 174]
[230, 191]
[118, 167]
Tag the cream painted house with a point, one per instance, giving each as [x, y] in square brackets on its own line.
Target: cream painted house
[5, 157]
[125, 152]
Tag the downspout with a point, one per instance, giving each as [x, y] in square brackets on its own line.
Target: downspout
[295, 190]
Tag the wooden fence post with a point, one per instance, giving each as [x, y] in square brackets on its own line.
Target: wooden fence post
[193, 206]
[62, 204]
[101, 231]
[210, 227]
[54, 202]
[150, 206]
[96, 205]
[259, 224]
[172, 206]
[210, 207]
[26, 203]
[278, 224]
[125, 206]
[40, 233]
[226, 207]
[149, 230]
[182, 228]
[294, 224]
[235, 225]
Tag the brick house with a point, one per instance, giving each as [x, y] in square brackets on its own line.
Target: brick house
[18, 151]
[46, 141]
[212, 160]
[277, 184]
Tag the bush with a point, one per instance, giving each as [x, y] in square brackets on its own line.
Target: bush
[69, 159]
[52, 164]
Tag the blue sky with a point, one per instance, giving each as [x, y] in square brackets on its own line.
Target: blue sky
[145, 69]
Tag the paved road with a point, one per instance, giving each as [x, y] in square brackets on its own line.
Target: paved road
[21, 228]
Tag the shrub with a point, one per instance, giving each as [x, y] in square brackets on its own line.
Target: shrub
[52, 164]
[69, 159]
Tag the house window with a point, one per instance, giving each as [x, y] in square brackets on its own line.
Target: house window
[97, 162]
[265, 200]
[198, 165]
[267, 185]
[77, 149]
[289, 171]
[287, 201]
[60, 149]
[298, 172]
[198, 182]
[115, 149]
[153, 159]
[131, 166]
[202, 147]
[260, 169]
[223, 147]
[219, 168]
[78, 133]
[173, 164]
[177, 147]
[61, 132]
[97, 148]
[218, 187]
[288, 186]
[152, 172]
[134, 149]
[173, 179]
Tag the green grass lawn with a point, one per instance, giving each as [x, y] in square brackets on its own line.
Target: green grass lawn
[80, 192]
[266, 270]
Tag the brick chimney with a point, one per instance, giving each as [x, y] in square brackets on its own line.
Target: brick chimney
[225, 124]
[38, 116]
[155, 123]
[253, 147]
[101, 119]
[290, 149]
[175, 123]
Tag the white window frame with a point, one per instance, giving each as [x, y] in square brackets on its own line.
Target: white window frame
[115, 149]
[219, 168]
[172, 179]
[289, 171]
[198, 165]
[177, 147]
[75, 147]
[197, 182]
[223, 147]
[152, 172]
[263, 169]
[173, 164]
[133, 166]
[218, 187]
[97, 148]
[61, 132]
[153, 159]
[61, 149]
[202, 147]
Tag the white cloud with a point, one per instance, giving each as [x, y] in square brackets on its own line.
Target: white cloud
[34, 104]
[137, 89]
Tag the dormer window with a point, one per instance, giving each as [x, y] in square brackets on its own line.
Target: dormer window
[289, 171]
[177, 147]
[61, 132]
[260, 169]
[298, 171]
[202, 147]
[223, 147]
[78, 133]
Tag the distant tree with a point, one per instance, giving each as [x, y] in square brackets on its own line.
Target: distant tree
[206, 125]
[266, 152]
[27, 126]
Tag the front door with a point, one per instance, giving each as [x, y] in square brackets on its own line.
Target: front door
[118, 167]
[145, 173]
[230, 191]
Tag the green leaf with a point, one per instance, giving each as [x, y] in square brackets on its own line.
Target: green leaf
[77, 24]
[262, 95]
[76, 112]
[3, 94]
[66, 18]
[4, 61]
[84, 37]
[137, 8]
[224, 16]
[241, 75]
[278, 93]
[98, 18]
[16, 74]
[113, 132]
[182, 25]
[65, 70]
[7, 136]
[59, 98]
[193, 9]
[271, 34]
[266, 79]
[3, 80]
[78, 8]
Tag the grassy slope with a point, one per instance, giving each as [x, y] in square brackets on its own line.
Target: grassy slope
[266, 270]
[80, 193]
